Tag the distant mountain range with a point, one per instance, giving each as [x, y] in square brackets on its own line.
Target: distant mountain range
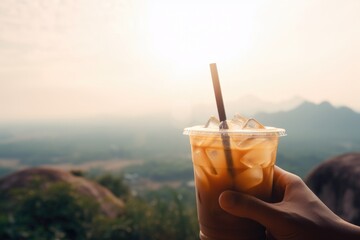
[316, 120]
[315, 133]
[247, 106]
[302, 119]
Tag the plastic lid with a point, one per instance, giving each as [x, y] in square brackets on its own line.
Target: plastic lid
[202, 131]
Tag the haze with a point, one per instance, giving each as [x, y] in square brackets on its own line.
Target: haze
[71, 59]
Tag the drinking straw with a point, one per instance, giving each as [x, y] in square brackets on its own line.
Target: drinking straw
[217, 90]
[222, 117]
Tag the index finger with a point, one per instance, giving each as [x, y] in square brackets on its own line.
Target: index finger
[282, 179]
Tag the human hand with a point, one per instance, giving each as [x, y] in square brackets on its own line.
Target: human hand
[295, 212]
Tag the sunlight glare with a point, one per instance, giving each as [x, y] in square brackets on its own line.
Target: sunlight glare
[186, 35]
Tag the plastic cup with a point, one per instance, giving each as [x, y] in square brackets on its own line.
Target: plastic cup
[244, 162]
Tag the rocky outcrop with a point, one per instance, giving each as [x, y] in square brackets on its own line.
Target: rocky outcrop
[110, 205]
[337, 183]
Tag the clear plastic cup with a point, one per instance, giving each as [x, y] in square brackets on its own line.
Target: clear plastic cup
[241, 160]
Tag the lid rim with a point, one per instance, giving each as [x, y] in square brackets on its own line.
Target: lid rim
[201, 130]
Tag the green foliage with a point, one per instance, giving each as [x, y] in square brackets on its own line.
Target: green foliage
[52, 212]
[162, 215]
[155, 215]
[58, 212]
[115, 183]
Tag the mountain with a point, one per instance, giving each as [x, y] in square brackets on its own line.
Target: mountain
[247, 106]
[250, 105]
[316, 121]
[315, 133]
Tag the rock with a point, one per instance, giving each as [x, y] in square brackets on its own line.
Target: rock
[337, 183]
[110, 205]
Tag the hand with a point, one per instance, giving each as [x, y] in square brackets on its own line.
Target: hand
[295, 212]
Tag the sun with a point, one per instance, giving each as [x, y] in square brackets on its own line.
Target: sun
[186, 35]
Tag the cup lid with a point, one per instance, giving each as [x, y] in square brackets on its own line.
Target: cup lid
[200, 130]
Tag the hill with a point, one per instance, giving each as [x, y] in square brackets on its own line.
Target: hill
[42, 178]
[316, 121]
[315, 133]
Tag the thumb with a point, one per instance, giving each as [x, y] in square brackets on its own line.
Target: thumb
[243, 205]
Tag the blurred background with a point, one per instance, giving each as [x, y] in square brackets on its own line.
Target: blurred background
[103, 90]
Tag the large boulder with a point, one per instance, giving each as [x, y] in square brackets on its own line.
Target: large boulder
[337, 183]
[110, 205]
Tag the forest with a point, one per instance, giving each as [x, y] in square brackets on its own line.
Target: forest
[60, 212]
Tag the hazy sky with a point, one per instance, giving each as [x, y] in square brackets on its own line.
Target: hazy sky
[73, 58]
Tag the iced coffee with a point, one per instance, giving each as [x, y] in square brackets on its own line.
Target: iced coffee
[239, 158]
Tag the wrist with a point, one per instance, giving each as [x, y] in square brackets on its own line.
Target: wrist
[344, 230]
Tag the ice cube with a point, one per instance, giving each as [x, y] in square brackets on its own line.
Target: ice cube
[201, 178]
[248, 178]
[222, 165]
[259, 157]
[216, 157]
[239, 120]
[197, 155]
[236, 123]
[231, 124]
[200, 158]
[248, 143]
[252, 123]
[213, 122]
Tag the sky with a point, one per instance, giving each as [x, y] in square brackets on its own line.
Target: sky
[83, 58]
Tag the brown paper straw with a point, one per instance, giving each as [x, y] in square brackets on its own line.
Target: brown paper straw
[217, 90]
[222, 117]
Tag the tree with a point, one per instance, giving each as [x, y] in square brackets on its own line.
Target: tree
[116, 184]
[52, 212]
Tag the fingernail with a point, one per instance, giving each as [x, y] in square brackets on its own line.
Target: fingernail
[227, 199]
